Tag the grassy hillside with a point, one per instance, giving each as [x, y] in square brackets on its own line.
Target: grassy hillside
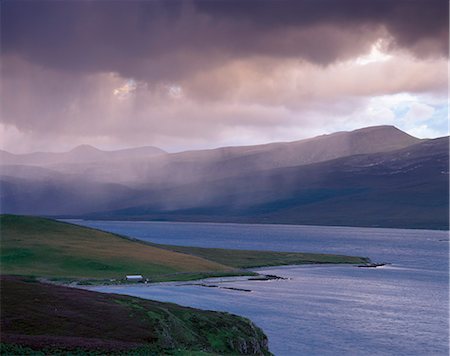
[250, 258]
[48, 248]
[79, 321]
[33, 246]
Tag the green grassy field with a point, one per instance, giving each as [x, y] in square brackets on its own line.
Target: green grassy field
[251, 258]
[80, 322]
[51, 249]
[47, 248]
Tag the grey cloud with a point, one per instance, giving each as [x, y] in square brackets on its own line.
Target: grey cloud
[239, 99]
[156, 40]
[247, 71]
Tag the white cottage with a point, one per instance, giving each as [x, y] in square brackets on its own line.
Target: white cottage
[134, 278]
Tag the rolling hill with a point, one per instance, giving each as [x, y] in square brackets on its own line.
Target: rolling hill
[80, 154]
[52, 249]
[49, 249]
[376, 176]
[140, 167]
[404, 188]
[47, 319]
[39, 317]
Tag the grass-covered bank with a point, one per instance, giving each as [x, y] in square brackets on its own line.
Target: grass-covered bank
[65, 252]
[51, 249]
[252, 258]
[56, 319]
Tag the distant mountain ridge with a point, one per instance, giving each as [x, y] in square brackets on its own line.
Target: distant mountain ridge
[365, 140]
[190, 166]
[79, 154]
[317, 149]
[345, 178]
[149, 165]
[402, 188]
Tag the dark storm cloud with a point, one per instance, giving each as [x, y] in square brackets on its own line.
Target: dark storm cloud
[167, 40]
[188, 73]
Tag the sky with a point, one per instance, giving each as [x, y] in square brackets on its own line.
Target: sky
[199, 74]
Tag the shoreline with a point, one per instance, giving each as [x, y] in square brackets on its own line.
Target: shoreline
[89, 256]
[74, 220]
[253, 276]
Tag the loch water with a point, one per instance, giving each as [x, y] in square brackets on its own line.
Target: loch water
[398, 309]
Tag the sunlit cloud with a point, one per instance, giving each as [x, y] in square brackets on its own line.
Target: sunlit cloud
[126, 90]
[377, 54]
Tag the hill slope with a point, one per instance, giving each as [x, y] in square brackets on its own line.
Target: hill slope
[190, 166]
[403, 188]
[48, 248]
[71, 186]
[56, 250]
[32, 190]
[376, 176]
[62, 320]
[80, 154]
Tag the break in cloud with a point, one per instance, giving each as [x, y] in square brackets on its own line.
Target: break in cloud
[188, 74]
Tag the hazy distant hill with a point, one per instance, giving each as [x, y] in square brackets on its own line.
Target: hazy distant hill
[317, 149]
[40, 191]
[80, 154]
[373, 176]
[403, 188]
[190, 166]
[144, 166]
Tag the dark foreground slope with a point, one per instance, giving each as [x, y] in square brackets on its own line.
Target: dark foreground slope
[405, 188]
[53, 318]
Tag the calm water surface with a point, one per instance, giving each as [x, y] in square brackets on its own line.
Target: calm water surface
[400, 309]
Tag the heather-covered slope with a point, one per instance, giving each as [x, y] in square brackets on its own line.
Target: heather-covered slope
[62, 320]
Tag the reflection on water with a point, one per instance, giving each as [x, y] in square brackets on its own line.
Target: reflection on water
[399, 309]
